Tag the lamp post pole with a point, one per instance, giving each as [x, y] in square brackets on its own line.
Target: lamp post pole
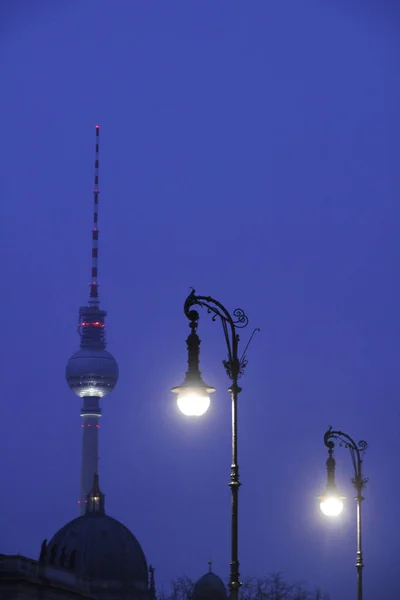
[359, 482]
[234, 366]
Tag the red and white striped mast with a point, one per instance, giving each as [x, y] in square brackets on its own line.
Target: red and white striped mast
[94, 286]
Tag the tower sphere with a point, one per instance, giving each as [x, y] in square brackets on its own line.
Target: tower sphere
[92, 372]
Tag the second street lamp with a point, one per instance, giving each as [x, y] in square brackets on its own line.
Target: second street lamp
[332, 503]
[194, 396]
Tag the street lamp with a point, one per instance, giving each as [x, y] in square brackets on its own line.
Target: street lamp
[194, 395]
[331, 503]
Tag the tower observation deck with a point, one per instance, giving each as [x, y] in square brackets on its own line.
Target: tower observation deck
[92, 372]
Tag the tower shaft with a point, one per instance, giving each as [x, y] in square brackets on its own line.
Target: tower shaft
[90, 414]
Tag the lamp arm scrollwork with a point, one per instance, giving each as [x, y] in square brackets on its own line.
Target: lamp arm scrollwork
[234, 366]
[357, 451]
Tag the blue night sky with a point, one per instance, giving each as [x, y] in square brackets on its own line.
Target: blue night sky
[247, 149]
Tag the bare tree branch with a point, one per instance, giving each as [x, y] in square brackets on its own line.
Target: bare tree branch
[272, 587]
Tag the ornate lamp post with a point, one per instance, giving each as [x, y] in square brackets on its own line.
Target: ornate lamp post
[332, 502]
[193, 395]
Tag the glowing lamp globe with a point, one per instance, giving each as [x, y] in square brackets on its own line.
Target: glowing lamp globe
[193, 396]
[331, 503]
[193, 403]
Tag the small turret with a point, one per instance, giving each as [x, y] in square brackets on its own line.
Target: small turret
[95, 499]
[152, 583]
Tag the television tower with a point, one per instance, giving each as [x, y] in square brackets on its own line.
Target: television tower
[92, 372]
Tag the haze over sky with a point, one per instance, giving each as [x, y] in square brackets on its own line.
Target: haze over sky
[250, 150]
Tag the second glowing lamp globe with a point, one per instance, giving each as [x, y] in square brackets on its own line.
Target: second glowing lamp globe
[193, 394]
[332, 505]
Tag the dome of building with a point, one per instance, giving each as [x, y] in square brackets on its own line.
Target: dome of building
[92, 372]
[100, 548]
[209, 587]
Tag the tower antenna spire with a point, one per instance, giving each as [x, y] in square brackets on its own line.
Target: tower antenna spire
[94, 285]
